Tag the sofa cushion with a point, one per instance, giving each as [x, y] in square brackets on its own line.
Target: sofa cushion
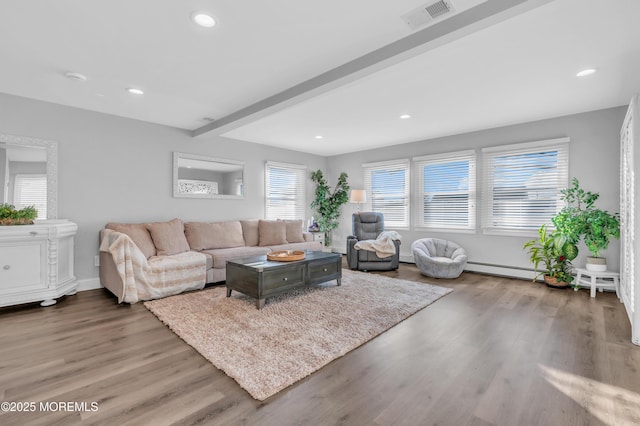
[250, 232]
[138, 233]
[168, 237]
[272, 232]
[294, 231]
[220, 256]
[213, 235]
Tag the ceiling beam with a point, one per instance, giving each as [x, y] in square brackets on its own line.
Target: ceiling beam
[443, 32]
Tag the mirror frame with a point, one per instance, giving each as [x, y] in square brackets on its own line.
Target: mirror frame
[51, 148]
[183, 155]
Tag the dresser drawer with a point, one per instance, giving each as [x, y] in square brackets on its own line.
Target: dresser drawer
[21, 266]
[281, 279]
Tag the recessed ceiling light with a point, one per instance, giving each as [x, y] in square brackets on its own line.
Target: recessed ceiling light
[75, 76]
[203, 19]
[405, 116]
[586, 72]
[135, 91]
[319, 136]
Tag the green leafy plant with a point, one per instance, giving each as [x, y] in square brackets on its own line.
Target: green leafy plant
[9, 215]
[581, 220]
[327, 203]
[554, 252]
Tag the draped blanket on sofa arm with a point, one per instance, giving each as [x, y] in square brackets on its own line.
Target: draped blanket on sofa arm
[156, 277]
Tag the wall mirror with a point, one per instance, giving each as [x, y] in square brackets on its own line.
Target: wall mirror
[198, 176]
[29, 174]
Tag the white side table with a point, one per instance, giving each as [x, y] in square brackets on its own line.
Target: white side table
[600, 280]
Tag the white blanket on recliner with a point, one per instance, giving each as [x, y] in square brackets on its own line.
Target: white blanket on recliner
[383, 245]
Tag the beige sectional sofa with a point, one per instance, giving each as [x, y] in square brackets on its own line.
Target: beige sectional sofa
[150, 260]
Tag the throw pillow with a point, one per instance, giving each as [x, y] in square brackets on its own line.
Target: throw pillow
[168, 237]
[250, 232]
[213, 235]
[294, 231]
[272, 232]
[138, 233]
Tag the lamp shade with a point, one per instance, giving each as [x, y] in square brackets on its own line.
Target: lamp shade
[358, 196]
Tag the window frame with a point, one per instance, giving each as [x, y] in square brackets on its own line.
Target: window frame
[299, 173]
[419, 163]
[405, 210]
[490, 154]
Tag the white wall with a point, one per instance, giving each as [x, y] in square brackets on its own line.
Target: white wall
[594, 160]
[112, 169]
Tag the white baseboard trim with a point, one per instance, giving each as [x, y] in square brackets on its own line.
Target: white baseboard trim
[499, 270]
[89, 284]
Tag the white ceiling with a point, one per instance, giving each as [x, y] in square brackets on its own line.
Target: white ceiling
[516, 66]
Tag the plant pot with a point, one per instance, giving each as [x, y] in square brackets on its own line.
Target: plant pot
[596, 264]
[554, 283]
[11, 222]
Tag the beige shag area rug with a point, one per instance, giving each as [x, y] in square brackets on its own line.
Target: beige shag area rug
[294, 334]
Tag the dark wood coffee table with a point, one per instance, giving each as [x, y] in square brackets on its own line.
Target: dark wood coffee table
[261, 278]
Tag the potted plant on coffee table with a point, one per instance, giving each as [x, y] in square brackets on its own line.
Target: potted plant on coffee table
[554, 252]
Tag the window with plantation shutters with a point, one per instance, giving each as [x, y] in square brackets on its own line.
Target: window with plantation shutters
[446, 191]
[31, 190]
[522, 185]
[387, 186]
[285, 191]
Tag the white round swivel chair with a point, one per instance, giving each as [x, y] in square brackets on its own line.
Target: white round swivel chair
[439, 258]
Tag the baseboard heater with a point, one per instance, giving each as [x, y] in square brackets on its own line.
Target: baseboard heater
[500, 270]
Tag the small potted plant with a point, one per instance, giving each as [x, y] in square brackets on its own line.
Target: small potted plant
[9, 215]
[580, 219]
[327, 203]
[555, 252]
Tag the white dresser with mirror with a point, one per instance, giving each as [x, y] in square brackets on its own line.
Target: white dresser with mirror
[36, 261]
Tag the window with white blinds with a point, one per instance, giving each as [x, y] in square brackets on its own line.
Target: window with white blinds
[522, 185]
[387, 186]
[31, 190]
[285, 191]
[446, 191]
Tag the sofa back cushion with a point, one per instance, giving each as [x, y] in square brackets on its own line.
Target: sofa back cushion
[138, 233]
[214, 235]
[294, 231]
[272, 232]
[168, 237]
[250, 232]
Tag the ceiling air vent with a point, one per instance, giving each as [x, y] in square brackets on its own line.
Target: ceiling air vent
[427, 13]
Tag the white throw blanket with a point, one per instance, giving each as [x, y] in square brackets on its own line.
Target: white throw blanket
[157, 277]
[383, 245]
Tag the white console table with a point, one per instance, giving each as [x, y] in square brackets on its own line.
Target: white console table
[36, 262]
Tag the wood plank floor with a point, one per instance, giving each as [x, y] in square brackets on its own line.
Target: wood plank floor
[496, 351]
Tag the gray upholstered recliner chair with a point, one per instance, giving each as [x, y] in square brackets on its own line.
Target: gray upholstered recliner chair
[367, 226]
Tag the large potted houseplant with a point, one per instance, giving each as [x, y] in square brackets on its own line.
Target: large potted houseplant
[327, 203]
[554, 253]
[581, 220]
[9, 215]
